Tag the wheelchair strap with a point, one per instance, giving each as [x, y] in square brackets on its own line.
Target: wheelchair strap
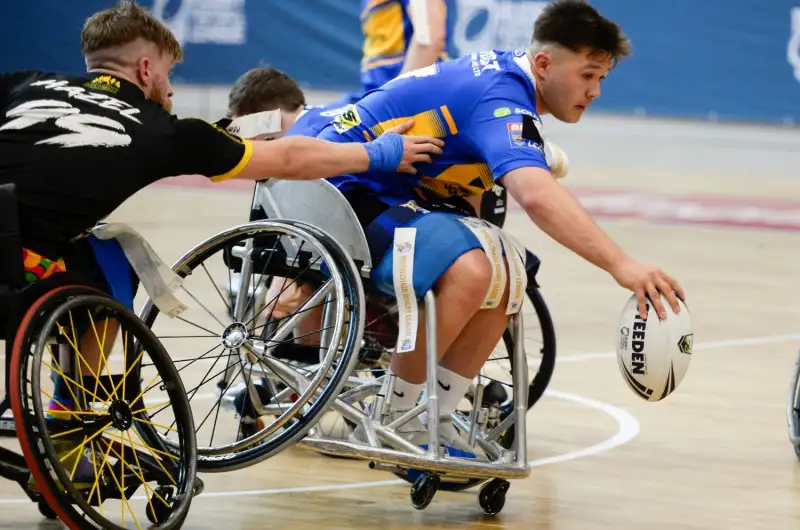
[495, 243]
[158, 280]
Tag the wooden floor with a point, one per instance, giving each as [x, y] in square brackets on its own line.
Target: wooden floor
[714, 455]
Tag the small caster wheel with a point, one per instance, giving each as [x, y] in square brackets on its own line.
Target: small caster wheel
[492, 497]
[157, 511]
[46, 510]
[197, 487]
[423, 490]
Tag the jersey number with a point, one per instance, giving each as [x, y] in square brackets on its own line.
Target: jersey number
[87, 130]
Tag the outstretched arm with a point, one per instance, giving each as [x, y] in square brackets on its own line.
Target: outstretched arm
[559, 214]
[301, 158]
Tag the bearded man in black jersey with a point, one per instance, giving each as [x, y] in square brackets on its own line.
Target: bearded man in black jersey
[75, 147]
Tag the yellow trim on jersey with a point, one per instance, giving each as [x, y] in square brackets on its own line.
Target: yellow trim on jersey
[427, 123]
[461, 180]
[248, 153]
[372, 63]
[449, 119]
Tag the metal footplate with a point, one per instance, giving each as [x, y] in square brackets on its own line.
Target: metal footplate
[461, 467]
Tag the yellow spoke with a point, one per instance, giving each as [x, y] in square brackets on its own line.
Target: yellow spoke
[122, 493]
[97, 479]
[148, 422]
[156, 451]
[134, 412]
[125, 376]
[60, 372]
[102, 345]
[158, 461]
[67, 411]
[137, 472]
[64, 433]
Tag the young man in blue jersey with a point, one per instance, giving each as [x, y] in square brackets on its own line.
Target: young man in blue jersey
[487, 107]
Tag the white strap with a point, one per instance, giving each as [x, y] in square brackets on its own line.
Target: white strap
[493, 249]
[494, 241]
[251, 125]
[158, 280]
[403, 279]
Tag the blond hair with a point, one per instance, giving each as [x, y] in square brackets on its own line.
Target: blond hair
[124, 24]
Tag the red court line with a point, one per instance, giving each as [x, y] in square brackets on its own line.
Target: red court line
[620, 203]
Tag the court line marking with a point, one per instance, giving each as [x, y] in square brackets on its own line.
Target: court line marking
[627, 429]
[628, 426]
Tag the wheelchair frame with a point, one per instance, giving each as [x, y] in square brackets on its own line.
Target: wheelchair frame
[300, 201]
[793, 408]
[27, 336]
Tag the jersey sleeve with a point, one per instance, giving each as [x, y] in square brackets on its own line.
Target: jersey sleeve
[503, 129]
[203, 148]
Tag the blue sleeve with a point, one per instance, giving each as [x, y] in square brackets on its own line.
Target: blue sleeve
[503, 129]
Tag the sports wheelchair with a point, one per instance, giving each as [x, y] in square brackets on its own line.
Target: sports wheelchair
[306, 234]
[793, 409]
[112, 429]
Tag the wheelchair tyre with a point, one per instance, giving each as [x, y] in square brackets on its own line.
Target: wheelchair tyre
[348, 287]
[538, 384]
[74, 508]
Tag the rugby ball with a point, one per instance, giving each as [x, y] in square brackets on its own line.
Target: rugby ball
[653, 355]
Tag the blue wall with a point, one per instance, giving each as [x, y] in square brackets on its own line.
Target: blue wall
[729, 58]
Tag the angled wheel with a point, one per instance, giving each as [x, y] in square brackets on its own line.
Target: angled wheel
[234, 344]
[84, 421]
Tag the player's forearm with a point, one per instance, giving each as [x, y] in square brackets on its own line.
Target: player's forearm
[559, 214]
[421, 55]
[302, 158]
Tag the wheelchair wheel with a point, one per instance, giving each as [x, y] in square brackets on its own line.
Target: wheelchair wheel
[231, 349]
[793, 409]
[89, 458]
[496, 396]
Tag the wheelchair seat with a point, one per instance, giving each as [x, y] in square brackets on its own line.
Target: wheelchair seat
[319, 204]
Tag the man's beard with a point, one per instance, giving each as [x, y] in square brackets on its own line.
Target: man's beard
[160, 97]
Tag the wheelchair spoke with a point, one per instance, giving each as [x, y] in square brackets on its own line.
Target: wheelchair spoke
[216, 288]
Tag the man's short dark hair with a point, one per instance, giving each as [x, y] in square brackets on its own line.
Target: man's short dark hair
[577, 26]
[264, 88]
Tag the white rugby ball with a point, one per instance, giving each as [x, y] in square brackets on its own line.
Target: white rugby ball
[653, 355]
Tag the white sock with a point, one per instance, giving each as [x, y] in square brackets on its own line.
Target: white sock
[451, 390]
[405, 395]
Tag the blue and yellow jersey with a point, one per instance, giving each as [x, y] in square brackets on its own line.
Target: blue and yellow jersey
[387, 31]
[313, 118]
[482, 105]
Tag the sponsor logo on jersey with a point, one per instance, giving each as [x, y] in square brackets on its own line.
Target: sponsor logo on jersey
[348, 119]
[483, 61]
[516, 139]
[502, 112]
[106, 83]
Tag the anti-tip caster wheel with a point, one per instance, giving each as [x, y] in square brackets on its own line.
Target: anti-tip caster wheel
[197, 487]
[157, 511]
[46, 510]
[492, 497]
[423, 490]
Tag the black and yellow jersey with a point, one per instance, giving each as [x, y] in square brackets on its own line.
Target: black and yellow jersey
[387, 31]
[76, 147]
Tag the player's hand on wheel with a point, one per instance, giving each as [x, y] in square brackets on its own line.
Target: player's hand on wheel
[648, 281]
[392, 151]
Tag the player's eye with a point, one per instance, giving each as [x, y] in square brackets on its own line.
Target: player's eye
[588, 76]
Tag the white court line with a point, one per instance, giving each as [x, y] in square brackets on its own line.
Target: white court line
[709, 345]
[628, 426]
[627, 430]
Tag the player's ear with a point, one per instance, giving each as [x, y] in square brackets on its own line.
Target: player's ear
[541, 63]
[144, 71]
